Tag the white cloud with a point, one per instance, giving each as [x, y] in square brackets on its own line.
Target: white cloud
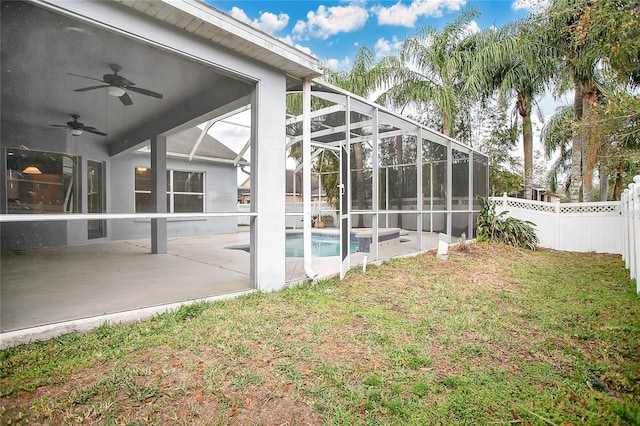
[337, 64]
[384, 47]
[470, 29]
[406, 15]
[398, 14]
[287, 39]
[328, 21]
[530, 5]
[268, 22]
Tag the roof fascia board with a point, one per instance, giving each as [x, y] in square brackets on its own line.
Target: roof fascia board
[234, 28]
[240, 29]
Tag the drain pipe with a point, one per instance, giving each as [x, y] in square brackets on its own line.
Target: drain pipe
[306, 177]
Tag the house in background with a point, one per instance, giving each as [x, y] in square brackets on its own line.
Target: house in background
[293, 189]
[539, 193]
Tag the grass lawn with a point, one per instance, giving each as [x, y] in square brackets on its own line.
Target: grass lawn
[495, 335]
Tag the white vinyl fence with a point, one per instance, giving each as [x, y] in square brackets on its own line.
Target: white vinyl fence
[581, 227]
[631, 229]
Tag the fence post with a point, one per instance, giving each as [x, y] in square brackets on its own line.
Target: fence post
[556, 241]
[636, 228]
[632, 239]
[624, 211]
[504, 200]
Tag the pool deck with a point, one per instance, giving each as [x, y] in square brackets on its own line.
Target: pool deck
[49, 291]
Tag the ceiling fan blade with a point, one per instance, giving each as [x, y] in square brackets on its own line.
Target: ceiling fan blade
[144, 92]
[94, 131]
[84, 89]
[126, 99]
[84, 76]
[59, 125]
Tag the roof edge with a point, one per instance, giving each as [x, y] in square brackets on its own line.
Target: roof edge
[308, 65]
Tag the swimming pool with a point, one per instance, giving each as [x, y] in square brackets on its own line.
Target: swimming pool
[322, 245]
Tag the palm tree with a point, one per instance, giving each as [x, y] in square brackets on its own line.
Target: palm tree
[363, 79]
[561, 22]
[514, 61]
[557, 136]
[431, 71]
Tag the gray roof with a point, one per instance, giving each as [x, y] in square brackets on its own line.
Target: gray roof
[183, 142]
[180, 145]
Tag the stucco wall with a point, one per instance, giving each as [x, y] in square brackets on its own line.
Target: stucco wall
[220, 196]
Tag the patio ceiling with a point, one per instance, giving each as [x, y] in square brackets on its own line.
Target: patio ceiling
[41, 48]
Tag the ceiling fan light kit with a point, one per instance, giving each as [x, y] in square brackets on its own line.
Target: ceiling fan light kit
[76, 128]
[117, 85]
[115, 91]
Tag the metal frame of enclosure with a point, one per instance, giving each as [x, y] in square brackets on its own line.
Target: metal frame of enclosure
[396, 173]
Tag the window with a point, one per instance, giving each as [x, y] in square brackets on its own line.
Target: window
[40, 182]
[185, 191]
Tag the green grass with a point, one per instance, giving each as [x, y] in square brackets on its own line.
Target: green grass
[495, 335]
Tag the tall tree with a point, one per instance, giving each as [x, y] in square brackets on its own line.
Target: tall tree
[505, 171]
[557, 137]
[515, 62]
[559, 25]
[364, 78]
[431, 70]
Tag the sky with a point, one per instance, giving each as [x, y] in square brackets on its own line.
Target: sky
[333, 31]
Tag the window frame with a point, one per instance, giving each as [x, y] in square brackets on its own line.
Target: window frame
[171, 192]
[69, 197]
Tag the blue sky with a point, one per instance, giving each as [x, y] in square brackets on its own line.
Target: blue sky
[334, 30]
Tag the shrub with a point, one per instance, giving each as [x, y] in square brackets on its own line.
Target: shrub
[502, 228]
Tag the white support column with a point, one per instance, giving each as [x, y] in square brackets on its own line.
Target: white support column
[420, 198]
[268, 164]
[253, 190]
[159, 193]
[306, 178]
[375, 197]
[470, 196]
[449, 200]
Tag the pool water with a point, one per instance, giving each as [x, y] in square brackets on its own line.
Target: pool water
[321, 245]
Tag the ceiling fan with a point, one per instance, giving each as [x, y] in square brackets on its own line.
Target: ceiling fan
[117, 85]
[77, 127]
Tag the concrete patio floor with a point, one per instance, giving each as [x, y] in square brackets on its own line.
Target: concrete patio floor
[104, 280]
